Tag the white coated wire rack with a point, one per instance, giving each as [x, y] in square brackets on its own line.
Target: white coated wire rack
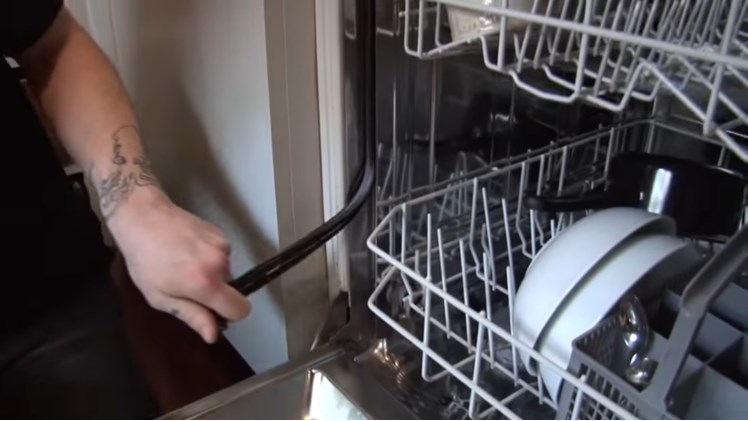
[450, 262]
[604, 52]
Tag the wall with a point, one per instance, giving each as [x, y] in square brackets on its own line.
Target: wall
[197, 72]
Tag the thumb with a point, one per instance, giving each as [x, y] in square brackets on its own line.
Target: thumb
[197, 317]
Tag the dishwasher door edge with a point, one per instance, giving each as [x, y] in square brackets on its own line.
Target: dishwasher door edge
[255, 397]
[203, 407]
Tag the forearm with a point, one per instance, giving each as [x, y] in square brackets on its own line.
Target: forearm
[87, 105]
[179, 262]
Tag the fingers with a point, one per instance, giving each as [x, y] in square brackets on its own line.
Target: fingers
[215, 237]
[229, 303]
[220, 297]
[221, 243]
[197, 317]
[194, 309]
[207, 286]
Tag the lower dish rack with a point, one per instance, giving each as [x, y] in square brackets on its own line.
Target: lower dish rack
[450, 261]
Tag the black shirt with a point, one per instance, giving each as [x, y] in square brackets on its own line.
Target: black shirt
[52, 239]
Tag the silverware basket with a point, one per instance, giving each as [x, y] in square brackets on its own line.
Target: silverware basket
[701, 353]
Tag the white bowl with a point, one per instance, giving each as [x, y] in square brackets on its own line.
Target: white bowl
[564, 261]
[643, 265]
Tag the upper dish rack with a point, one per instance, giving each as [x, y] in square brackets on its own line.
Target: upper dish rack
[604, 52]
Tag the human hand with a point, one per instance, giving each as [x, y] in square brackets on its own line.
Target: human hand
[178, 261]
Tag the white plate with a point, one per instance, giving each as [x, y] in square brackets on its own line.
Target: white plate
[645, 263]
[565, 260]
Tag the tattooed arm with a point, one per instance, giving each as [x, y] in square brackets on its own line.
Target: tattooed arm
[82, 97]
[178, 261]
[128, 173]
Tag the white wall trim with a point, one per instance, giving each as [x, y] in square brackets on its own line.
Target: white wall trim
[328, 17]
[290, 33]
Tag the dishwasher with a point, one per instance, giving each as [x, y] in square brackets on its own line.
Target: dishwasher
[546, 217]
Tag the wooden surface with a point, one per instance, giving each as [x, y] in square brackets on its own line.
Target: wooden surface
[179, 366]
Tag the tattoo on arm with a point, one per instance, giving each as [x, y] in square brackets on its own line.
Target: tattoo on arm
[128, 175]
[146, 176]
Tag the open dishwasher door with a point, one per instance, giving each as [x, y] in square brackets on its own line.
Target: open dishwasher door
[333, 381]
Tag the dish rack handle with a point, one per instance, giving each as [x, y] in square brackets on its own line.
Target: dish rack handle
[698, 295]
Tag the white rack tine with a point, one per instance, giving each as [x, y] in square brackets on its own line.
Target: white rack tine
[741, 18]
[405, 172]
[391, 232]
[403, 247]
[435, 173]
[562, 176]
[417, 262]
[432, 118]
[443, 271]
[404, 230]
[578, 400]
[532, 232]
[387, 175]
[437, 38]
[553, 228]
[632, 21]
[525, 40]
[559, 32]
[726, 40]
[500, 54]
[476, 367]
[698, 13]
[473, 210]
[426, 337]
[540, 383]
[517, 51]
[489, 312]
[541, 234]
[517, 218]
[722, 156]
[551, 163]
[572, 37]
[603, 19]
[609, 153]
[484, 244]
[468, 327]
[429, 247]
[542, 35]
[541, 174]
[460, 198]
[508, 235]
[489, 240]
[512, 291]
[421, 25]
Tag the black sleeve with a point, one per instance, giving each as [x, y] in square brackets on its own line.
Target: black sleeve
[23, 22]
